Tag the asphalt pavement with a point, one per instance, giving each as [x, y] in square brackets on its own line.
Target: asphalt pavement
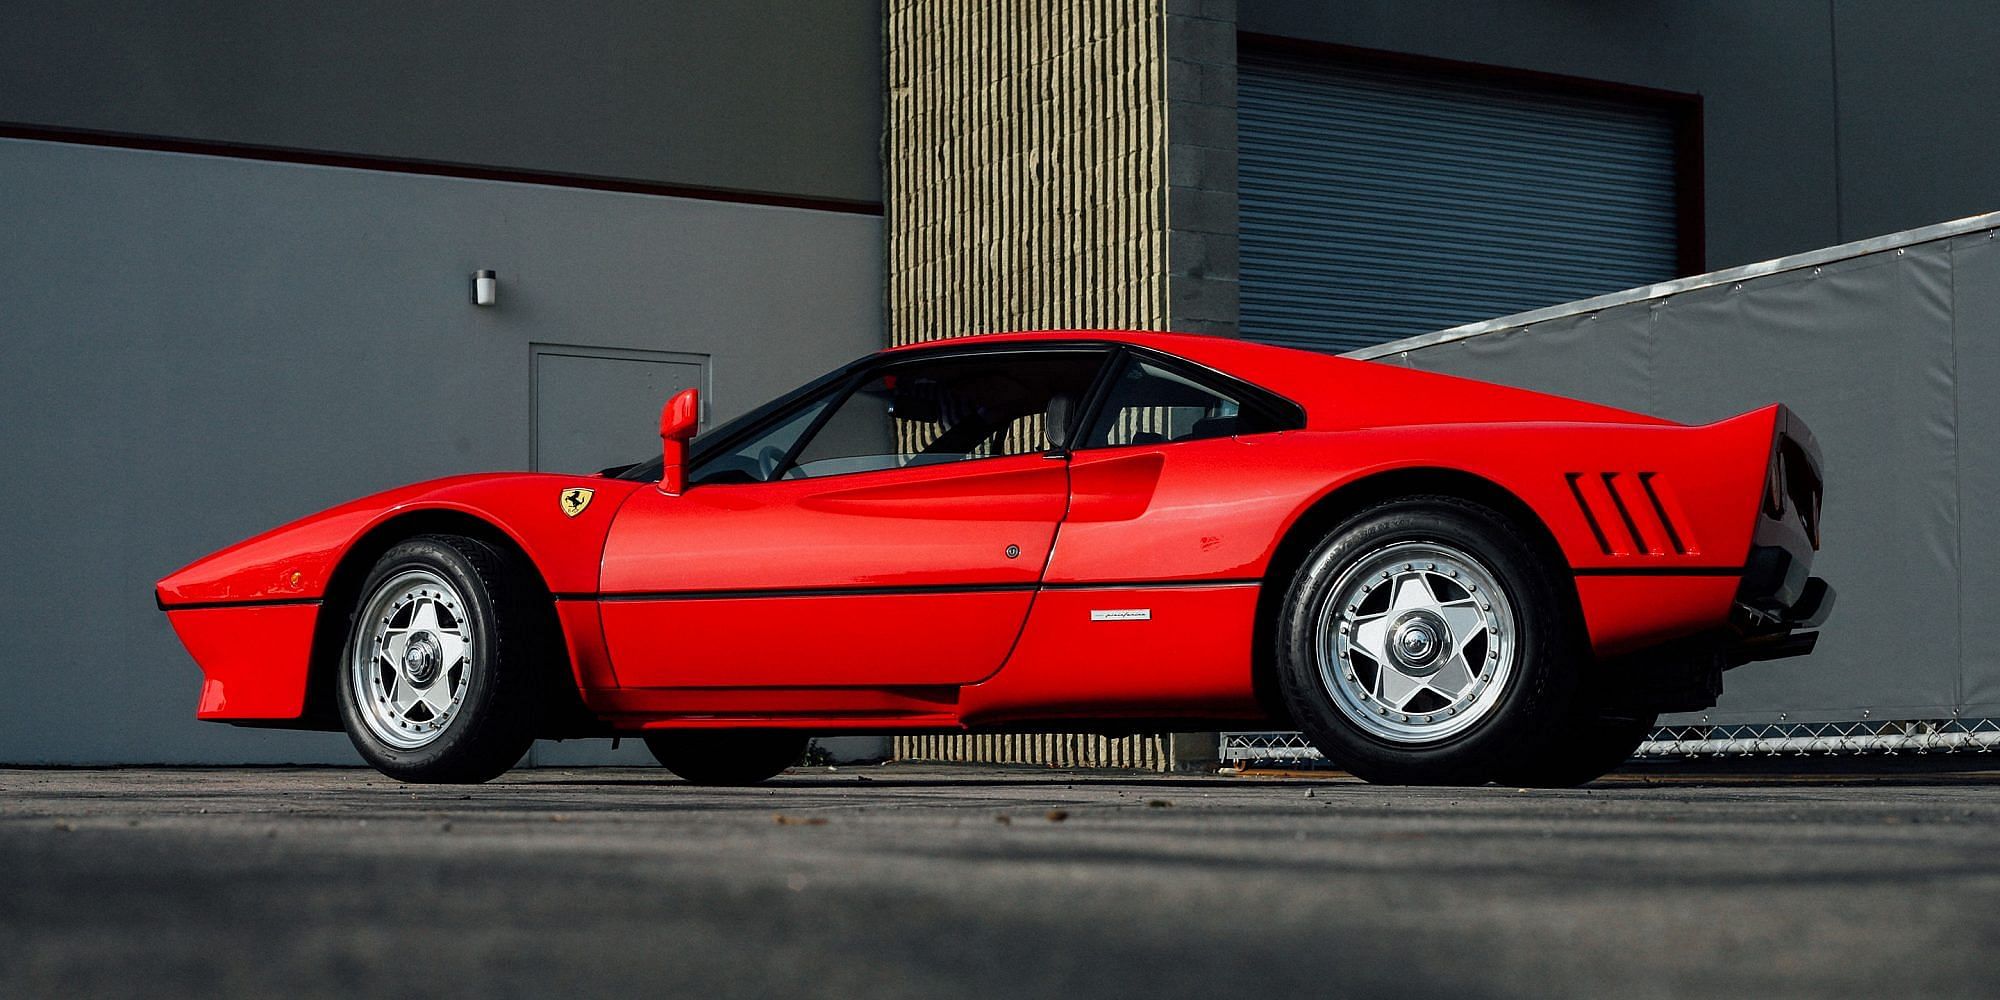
[912, 881]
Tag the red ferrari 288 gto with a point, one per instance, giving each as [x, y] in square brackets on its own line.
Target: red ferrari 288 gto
[1438, 580]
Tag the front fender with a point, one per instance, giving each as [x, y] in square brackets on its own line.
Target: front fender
[295, 562]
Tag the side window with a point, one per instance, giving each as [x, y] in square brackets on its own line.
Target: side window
[931, 411]
[1148, 404]
[757, 460]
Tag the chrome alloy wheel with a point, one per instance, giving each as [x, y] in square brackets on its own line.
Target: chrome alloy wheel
[1415, 642]
[408, 661]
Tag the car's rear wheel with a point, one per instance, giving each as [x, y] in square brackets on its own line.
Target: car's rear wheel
[726, 757]
[1583, 750]
[436, 677]
[1425, 642]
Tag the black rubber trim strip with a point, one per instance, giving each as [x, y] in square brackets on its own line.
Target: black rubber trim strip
[723, 595]
[960, 588]
[269, 602]
[1659, 571]
[427, 168]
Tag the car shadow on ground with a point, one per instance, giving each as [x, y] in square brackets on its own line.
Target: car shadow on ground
[1790, 772]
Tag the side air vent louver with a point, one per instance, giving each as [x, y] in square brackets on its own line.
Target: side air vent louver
[1625, 515]
[1589, 518]
[1631, 513]
[1660, 511]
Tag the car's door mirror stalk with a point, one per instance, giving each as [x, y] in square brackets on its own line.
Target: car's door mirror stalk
[678, 420]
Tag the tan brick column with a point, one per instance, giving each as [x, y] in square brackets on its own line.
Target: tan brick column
[1025, 182]
[1059, 164]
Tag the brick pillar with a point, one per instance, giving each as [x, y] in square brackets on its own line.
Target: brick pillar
[1025, 182]
[1060, 164]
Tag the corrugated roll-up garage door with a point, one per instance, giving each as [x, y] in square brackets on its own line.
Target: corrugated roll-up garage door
[1380, 204]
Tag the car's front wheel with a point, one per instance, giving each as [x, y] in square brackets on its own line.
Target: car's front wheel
[1425, 642]
[727, 757]
[436, 677]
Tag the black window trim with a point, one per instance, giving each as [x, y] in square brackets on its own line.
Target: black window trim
[1283, 414]
[842, 383]
[837, 400]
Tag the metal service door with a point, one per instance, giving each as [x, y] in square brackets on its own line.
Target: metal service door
[596, 407]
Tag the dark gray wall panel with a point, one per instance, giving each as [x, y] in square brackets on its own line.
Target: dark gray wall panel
[1919, 109]
[1799, 156]
[1764, 71]
[757, 95]
[201, 348]
[591, 404]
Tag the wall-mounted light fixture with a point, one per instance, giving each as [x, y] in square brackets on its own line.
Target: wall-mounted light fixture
[485, 288]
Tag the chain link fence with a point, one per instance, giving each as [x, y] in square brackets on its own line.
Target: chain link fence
[1804, 739]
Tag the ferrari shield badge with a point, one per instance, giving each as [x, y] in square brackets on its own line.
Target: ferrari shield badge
[575, 499]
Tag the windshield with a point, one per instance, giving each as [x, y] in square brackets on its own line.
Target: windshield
[649, 471]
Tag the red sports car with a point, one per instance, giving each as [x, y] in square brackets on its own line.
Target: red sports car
[1438, 580]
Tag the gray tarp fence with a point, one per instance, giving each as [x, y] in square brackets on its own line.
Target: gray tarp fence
[1890, 350]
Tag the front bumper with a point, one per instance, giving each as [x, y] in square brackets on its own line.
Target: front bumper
[255, 659]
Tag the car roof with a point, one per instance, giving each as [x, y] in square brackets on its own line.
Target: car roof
[1335, 392]
[1169, 342]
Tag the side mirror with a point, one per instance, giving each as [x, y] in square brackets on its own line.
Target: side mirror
[677, 423]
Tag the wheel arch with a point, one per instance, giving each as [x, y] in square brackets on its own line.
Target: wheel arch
[343, 589]
[1350, 498]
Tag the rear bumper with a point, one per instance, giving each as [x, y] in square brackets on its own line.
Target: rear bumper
[1779, 602]
[1777, 605]
[1765, 633]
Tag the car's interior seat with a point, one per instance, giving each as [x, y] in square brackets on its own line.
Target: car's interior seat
[1056, 418]
[1211, 427]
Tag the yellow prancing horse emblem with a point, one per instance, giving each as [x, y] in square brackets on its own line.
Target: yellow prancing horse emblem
[575, 499]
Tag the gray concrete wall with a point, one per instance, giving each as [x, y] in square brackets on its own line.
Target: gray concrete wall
[1825, 122]
[200, 348]
[757, 95]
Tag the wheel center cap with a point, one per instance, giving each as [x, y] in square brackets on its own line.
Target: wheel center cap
[422, 659]
[1417, 642]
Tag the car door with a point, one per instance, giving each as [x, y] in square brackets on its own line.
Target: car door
[1149, 603]
[1162, 478]
[890, 531]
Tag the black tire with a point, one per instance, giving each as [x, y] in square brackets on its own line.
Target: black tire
[1515, 711]
[1581, 751]
[727, 757]
[492, 723]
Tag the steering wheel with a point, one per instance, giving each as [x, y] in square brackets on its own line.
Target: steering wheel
[767, 462]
